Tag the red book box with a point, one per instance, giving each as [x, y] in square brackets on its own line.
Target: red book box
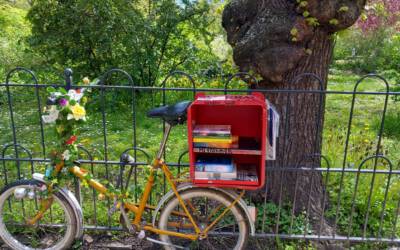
[247, 116]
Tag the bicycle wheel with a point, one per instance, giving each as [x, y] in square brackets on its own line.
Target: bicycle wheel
[205, 205]
[19, 202]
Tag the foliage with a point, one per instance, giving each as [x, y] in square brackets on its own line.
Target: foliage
[378, 41]
[376, 51]
[288, 224]
[148, 38]
[13, 28]
[380, 14]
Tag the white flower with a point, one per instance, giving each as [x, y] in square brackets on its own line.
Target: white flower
[74, 95]
[66, 155]
[56, 94]
[52, 116]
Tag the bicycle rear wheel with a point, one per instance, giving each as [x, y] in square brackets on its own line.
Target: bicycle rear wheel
[205, 205]
[21, 201]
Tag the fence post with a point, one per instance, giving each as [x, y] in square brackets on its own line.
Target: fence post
[68, 82]
[68, 78]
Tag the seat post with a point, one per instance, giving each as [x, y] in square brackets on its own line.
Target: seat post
[164, 140]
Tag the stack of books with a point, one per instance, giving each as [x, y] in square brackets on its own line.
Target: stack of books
[212, 168]
[214, 136]
[247, 172]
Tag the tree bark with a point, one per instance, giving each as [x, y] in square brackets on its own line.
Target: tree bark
[280, 40]
[299, 144]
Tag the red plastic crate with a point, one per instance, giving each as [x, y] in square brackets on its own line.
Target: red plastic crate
[247, 116]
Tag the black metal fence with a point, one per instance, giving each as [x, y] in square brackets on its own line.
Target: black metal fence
[359, 168]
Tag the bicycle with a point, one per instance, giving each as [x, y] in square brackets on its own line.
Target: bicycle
[185, 217]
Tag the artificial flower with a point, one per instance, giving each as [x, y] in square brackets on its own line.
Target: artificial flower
[101, 197]
[75, 95]
[52, 116]
[86, 80]
[66, 155]
[78, 113]
[55, 94]
[71, 140]
[63, 102]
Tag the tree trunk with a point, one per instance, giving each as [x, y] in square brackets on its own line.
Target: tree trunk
[281, 40]
[299, 143]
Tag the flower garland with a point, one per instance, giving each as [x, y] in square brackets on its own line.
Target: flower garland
[66, 109]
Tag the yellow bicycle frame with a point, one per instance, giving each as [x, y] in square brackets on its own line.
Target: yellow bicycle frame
[138, 209]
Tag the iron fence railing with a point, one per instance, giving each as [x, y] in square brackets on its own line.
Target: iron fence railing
[361, 182]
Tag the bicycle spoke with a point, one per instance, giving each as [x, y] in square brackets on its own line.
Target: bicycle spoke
[204, 206]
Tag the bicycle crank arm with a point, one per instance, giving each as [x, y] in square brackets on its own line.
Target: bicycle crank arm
[165, 243]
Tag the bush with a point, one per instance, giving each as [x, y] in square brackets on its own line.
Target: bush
[375, 51]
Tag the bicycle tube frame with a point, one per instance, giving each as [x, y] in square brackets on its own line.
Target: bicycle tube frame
[140, 208]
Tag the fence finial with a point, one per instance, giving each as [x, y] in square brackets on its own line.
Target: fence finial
[68, 78]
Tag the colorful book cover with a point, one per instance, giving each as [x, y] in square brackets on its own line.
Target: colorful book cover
[212, 130]
[233, 144]
[215, 168]
[214, 164]
[212, 137]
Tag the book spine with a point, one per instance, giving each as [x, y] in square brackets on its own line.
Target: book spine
[214, 145]
[212, 136]
[212, 140]
[213, 150]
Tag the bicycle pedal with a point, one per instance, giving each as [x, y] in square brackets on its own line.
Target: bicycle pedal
[141, 234]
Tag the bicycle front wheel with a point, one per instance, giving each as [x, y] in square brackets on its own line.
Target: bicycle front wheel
[22, 201]
[205, 206]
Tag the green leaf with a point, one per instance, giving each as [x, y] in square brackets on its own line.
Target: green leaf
[312, 21]
[344, 9]
[303, 4]
[306, 13]
[334, 21]
[51, 89]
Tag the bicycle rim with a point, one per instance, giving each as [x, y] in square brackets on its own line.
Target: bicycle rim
[205, 206]
[55, 230]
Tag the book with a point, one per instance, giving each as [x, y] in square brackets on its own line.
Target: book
[247, 172]
[202, 175]
[212, 130]
[212, 136]
[214, 164]
[215, 168]
[273, 118]
[212, 140]
[227, 151]
[212, 98]
[233, 144]
[212, 168]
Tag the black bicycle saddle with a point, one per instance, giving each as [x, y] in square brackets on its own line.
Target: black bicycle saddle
[172, 114]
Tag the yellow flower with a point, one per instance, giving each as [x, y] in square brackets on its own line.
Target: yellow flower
[101, 197]
[78, 113]
[86, 80]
